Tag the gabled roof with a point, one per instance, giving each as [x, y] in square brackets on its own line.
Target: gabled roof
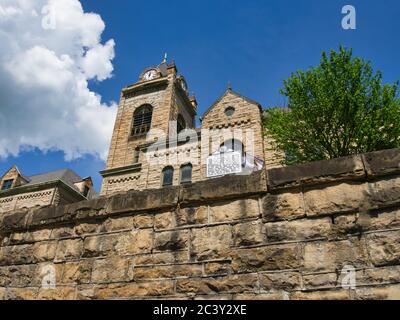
[230, 91]
[68, 176]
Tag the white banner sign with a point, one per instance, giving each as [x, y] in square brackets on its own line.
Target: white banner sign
[224, 163]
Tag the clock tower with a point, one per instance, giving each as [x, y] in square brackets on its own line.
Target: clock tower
[159, 97]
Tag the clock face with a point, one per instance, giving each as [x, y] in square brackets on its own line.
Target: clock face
[150, 75]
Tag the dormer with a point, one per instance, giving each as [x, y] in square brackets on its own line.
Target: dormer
[12, 179]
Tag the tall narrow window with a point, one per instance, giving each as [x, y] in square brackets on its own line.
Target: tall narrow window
[7, 184]
[181, 124]
[186, 173]
[136, 155]
[142, 120]
[167, 176]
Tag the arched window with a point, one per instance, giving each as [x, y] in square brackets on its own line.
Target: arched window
[167, 176]
[181, 124]
[142, 120]
[233, 145]
[186, 173]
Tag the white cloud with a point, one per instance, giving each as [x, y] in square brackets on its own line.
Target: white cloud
[49, 50]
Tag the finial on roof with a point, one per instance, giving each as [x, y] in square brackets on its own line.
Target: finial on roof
[165, 58]
[229, 85]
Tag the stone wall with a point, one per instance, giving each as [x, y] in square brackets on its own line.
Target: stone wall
[284, 234]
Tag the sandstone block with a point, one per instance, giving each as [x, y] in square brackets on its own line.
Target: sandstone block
[211, 242]
[111, 269]
[335, 199]
[384, 248]
[230, 284]
[171, 240]
[283, 206]
[249, 233]
[287, 281]
[330, 256]
[234, 210]
[276, 257]
[303, 229]
[69, 249]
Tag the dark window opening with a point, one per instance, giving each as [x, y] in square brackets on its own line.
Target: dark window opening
[86, 191]
[136, 156]
[142, 120]
[167, 176]
[7, 184]
[230, 111]
[181, 124]
[186, 173]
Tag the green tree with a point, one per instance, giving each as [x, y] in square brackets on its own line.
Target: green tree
[335, 109]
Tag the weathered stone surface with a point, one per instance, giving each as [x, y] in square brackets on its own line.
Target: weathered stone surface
[266, 258]
[347, 224]
[168, 220]
[131, 290]
[303, 229]
[195, 215]
[384, 275]
[230, 284]
[170, 271]
[383, 162]
[234, 210]
[86, 228]
[390, 292]
[162, 258]
[226, 187]
[330, 256]
[69, 249]
[384, 248]
[142, 221]
[111, 269]
[212, 247]
[287, 281]
[383, 193]
[134, 242]
[59, 293]
[21, 293]
[386, 219]
[217, 268]
[249, 233]
[77, 272]
[316, 172]
[211, 242]
[335, 199]
[336, 294]
[44, 251]
[144, 200]
[321, 280]
[62, 232]
[171, 240]
[283, 206]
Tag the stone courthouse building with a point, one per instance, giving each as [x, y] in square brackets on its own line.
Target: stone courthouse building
[54, 188]
[155, 142]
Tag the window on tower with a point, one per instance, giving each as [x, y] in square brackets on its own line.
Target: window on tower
[142, 120]
[181, 124]
[186, 173]
[167, 176]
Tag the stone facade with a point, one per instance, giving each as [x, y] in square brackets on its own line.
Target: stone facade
[287, 233]
[55, 188]
[133, 164]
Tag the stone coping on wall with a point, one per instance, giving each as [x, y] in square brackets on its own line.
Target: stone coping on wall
[366, 167]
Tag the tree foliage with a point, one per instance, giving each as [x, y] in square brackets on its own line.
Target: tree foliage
[338, 108]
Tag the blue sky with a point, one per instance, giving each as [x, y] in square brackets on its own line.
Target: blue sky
[255, 45]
